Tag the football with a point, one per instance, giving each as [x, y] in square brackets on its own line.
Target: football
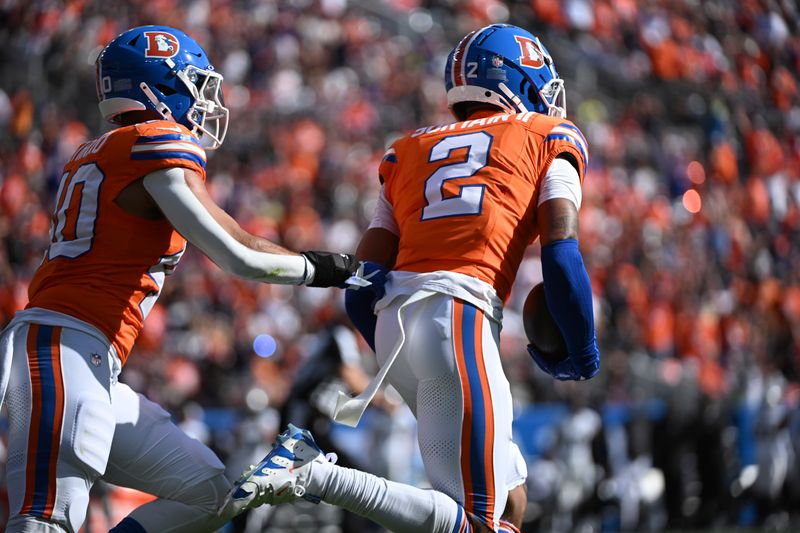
[540, 328]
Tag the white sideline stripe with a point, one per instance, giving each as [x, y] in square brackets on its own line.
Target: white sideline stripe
[464, 58]
[566, 131]
[181, 146]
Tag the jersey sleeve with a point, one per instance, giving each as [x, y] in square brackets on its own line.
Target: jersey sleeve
[388, 168]
[565, 138]
[159, 145]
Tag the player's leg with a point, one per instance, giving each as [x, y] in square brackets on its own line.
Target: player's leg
[60, 426]
[296, 467]
[396, 506]
[404, 380]
[151, 454]
[511, 520]
[464, 411]
[426, 375]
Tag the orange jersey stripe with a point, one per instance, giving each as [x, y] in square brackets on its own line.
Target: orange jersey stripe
[58, 419]
[47, 414]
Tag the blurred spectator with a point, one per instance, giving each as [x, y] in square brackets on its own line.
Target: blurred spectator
[691, 210]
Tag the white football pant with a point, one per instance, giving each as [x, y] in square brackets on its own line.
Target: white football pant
[71, 422]
[449, 373]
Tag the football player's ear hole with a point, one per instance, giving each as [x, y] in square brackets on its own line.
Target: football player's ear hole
[166, 91]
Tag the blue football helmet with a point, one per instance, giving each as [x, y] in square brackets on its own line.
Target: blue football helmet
[505, 66]
[162, 69]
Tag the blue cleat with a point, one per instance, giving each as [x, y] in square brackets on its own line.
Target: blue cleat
[280, 477]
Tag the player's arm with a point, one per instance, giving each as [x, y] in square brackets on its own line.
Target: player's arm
[183, 199]
[379, 243]
[378, 251]
[566, 283]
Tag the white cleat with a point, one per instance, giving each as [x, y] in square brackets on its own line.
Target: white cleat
[280, 477]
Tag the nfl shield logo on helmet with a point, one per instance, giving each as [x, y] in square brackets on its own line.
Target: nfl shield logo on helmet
[497, 61]
[161, 44]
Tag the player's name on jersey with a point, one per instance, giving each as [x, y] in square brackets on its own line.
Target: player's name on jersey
[91, 147]
[486, 121]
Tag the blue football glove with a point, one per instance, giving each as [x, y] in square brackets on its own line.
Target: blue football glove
[359, 302]
[573, 367]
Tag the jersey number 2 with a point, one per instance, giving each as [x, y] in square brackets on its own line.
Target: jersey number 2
[470, 197]
[72, 230]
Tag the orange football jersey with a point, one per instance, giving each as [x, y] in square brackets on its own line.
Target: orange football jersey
[464, 195]
[105, 266]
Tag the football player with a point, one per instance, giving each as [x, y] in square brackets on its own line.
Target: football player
[126, 205]
[458, 206]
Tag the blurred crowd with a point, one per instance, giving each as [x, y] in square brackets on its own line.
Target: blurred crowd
[690, 229]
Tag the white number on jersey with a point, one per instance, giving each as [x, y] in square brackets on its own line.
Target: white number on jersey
[72, 230]
[470, 197]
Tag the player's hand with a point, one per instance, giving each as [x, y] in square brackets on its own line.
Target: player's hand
[330, 269]
[375, 273]
[571, 368]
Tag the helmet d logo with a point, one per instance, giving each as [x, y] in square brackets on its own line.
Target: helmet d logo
[161, 44]
[530, 53]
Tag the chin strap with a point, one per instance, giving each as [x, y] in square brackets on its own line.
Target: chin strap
[160, 106]
[513, 97]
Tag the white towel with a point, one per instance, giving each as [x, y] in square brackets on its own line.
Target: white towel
[349, 410]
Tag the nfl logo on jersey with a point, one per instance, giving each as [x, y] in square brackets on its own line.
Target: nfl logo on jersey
[96, 359]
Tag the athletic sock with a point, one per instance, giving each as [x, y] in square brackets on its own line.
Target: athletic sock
[395, 506]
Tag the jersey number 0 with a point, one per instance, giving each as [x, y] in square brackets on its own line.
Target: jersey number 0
[76, 212]
[470, 197]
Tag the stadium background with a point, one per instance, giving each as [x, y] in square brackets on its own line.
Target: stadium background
[689, 229]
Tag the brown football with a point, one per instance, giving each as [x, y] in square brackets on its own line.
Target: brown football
[540, 328]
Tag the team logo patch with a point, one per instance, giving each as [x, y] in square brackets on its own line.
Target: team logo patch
[497, 61]
[96, 359]
[531, 54]
[161, 44]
